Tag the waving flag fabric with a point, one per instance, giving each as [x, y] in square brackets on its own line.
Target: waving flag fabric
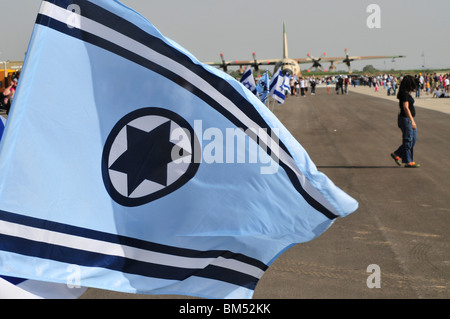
[147, 171]
[262, 88]
[248, 80]
[276, 87]
[18, 288]
[286, 84]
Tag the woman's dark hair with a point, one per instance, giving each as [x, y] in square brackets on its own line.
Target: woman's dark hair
[408, 84]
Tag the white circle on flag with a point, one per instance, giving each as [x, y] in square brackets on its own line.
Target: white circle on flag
[148, 154]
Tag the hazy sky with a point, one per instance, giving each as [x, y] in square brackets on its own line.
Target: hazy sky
[237, 28]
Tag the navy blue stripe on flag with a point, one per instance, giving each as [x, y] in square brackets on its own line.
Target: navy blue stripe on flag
[108, 19]
[279, 94]
[247, 74]
[13, 280]
[129, 266]
[39, 249]
[123, 240]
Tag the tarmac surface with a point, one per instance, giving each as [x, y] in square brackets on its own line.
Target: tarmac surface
[403, 221]
[402, 224]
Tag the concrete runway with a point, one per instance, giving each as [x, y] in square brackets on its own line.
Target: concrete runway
[403, 221]
[402, 224]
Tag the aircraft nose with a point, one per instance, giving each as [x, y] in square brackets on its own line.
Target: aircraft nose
[286, 71]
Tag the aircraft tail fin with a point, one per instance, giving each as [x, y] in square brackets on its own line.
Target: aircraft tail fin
[285, 47]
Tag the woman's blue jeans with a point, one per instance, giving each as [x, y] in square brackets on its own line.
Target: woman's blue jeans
[409, 138]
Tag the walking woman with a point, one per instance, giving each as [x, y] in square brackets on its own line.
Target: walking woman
[405, 153]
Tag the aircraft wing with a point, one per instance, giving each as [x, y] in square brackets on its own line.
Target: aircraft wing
[353, 58]
[350, 58]
[316, 62]
[255, 63]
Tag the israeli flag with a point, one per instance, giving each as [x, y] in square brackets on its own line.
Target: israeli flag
[262, 88]
[177, 181]
[248, 80]
[276, 87]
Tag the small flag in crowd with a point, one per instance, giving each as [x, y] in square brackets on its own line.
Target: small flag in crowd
[248, 80]
[180, 181]
[262, 87]
[276, 87]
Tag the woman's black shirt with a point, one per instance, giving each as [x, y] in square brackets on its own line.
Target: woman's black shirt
[406, 97]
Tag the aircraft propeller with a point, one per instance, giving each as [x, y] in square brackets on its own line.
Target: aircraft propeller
[348, 61]
[316, 62]
[255, 65]
[224, 65]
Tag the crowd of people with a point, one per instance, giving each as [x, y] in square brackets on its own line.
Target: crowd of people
[302, 85]
[428, 84]
[7, 95]
[403, 88]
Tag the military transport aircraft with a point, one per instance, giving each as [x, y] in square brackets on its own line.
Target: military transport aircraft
[291, 66]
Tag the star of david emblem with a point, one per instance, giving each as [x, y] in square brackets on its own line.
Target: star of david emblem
[148, 154]
[247, 85]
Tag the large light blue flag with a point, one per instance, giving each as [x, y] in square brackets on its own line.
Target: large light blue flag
[19, 288]
[248, 80]
[131, 164]
[276, 87]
